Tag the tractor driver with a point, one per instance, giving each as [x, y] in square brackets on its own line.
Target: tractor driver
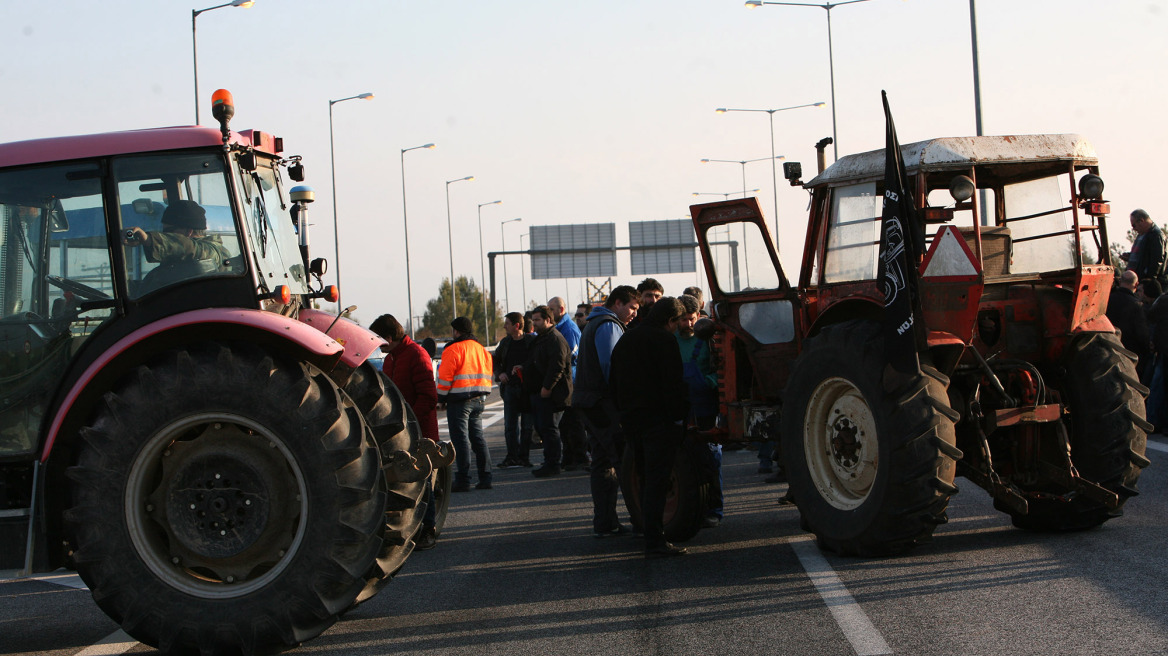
[182, 248]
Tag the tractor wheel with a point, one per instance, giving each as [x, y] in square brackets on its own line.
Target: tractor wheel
[394, 429]
[443, 481]
[1108, 433]
[871, 471]
[686, 502]
[225, 500]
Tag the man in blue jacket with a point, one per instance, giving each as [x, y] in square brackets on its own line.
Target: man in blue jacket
[592, 398]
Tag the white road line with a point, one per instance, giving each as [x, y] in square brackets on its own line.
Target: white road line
[852, 620]
[115, 643]
[1158, 446]
[67, 580]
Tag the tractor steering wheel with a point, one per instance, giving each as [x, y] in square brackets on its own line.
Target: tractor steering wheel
[85, 292]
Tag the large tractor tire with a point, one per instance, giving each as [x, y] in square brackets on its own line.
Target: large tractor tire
[870, 470]
[225, 501]
[394, 429]
[1108, 434]
[687, 500]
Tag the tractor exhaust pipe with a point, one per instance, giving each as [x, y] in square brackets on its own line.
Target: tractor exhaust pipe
[820, 157]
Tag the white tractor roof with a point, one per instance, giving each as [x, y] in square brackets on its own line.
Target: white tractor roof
[963, 152]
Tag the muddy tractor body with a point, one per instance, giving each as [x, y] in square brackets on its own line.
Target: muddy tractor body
[212, 455]
[1023, 387]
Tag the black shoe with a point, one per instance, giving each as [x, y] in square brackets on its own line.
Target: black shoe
[666, 550]
[711, 522]
[764, 469]
[460, 486]
[425, 539]
[507, 463]
[483, 485]
[620, 530]
[545, 471]
[779, 477]
[570, 466]
[525, 463]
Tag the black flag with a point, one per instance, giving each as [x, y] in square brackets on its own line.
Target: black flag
[900, 241]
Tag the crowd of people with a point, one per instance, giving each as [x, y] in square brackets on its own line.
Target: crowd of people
[638, 367]
[1138, 308]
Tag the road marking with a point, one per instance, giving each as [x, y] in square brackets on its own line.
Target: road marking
[67, 580]
[115, 643]
[852, 620]
[1159, 446]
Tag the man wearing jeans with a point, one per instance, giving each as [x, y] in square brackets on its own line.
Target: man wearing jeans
[464, 378]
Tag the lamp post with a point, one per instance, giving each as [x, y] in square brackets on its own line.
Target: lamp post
[827, 6]
[523, 279]
[744, 162]
[406, 229]
[725, 195]
[195, 42]
[774, 158]
[483, 271]
[333, 166]
[503, 242]
[450, 244]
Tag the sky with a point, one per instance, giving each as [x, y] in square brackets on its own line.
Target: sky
[584, 112]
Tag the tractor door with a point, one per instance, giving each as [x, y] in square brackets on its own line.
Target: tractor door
[753, 302]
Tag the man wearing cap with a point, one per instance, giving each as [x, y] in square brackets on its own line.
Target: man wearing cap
[183, 238]
[464, 378]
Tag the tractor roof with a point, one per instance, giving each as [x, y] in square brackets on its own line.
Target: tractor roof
[961, 153]
[55, 149]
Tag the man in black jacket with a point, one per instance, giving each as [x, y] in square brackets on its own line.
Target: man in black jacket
[517, 418]
[648, 383]
[547, 377]
[1127, 314]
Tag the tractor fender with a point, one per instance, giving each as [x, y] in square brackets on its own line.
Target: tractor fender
[846, 309]
[213, 323]
[359, 342]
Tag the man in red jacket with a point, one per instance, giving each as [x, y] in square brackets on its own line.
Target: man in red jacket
[410, 368]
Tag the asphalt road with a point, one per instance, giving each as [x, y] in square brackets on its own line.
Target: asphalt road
[517, 571]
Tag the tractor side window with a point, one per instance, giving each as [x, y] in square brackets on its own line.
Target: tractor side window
[1039, 216]
[741, 259]
[56, 287]
[853, 238]
[177, 221]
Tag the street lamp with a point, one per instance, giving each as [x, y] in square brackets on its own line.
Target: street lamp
[503, 243]
[725, 195]
[743, 162]
[195, 43]
[483, 271]
[450, 234]
[333, 166]
[406, 229]
[828, 6]
[774, 171]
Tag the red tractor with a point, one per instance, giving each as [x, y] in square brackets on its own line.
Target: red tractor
[215, 458]
[1023, 386]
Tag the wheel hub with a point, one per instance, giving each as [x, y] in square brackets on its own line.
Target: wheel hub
[841, 443]
[845, 446]
[218, 505]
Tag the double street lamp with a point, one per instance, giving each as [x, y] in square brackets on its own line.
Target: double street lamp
[195, 42]
[827, 6]
[483, 272]
[744, 162]
[725, 195]
[406, 229]
[774, 172]
[333, 166]
[450, 234]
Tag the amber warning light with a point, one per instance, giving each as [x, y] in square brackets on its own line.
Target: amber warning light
[223, 108]
[281, 293]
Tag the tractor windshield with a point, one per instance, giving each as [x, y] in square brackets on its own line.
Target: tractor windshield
[271, 231]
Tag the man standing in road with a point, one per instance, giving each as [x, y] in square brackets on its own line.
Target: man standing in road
[511, 352]
[592, 398]
[571, 427]
[547, 378]
[648, 384]
[698, 364]
[1147, 256]
[410, 368]
[582, 312]
[464, 378]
